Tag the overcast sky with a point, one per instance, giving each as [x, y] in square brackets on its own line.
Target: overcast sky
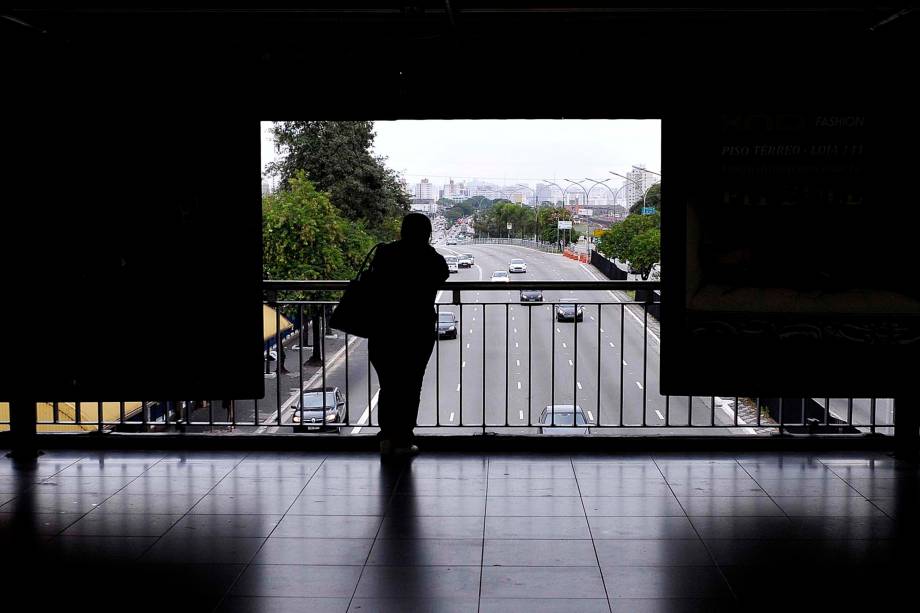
[511, 151]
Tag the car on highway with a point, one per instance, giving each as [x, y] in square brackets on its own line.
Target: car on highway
[501, 276]
[517, 265]
[465, 260]
[531, 295]
[565, 420]
[452, 265]
[447, 325]
[568, 310]
[319, 407]
[452, 241]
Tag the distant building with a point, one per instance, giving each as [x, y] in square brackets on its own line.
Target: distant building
[426, 191]
[640, 181]
[548, 193]
[424, 205]
[266, 188]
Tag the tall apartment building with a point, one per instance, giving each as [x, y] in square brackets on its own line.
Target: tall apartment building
[548, 193]
[426, 190]
[640, 181]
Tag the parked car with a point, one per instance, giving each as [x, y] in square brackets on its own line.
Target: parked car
[501, 276]
[452, 265]
[517, 265]
[568, 310]
[531, 295]
[447, 325]
[319, 407]
[565, 420]
[465, 260]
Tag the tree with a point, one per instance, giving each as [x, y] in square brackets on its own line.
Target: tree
[636, 239]
[548, 221]
[305, 237]
[336, 158]
[652, 200]
[645, 251]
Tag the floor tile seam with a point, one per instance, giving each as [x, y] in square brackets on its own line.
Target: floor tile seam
[699, 536]
[590, 535]
[482, 553]
[265, 540]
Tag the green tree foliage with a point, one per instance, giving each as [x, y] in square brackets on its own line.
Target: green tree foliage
[305, 237]
[652, 199]
[547, 222]
[336, 158]
[467, 207]
[636, 239]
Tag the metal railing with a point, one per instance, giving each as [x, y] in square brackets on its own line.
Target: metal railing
[521, 242]
[514, 366]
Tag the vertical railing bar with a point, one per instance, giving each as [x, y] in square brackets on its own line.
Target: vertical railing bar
[145, 414]
[484, 305]
[460, 362]
[99, 417]
[278, 349]
[757, 409]
[644, 363]
[781, 415]
[575, 366]
[529, 365]
[552, 385]
[690, 411]
[437, 366]
[736, 410]
[299, 406]
[712, 407]
[507, 367]
[121, 412]
[600, 307]
[667, 411]
[370, 412]
[622, 357]
[322, 357]
[78, 412]
[347, 390]
[827, 411]
[872, 415]
[849, 411]
[804, 421]
[55, 412]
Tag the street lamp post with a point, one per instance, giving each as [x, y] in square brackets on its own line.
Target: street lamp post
[578, 183]
[562, 189]
[521, 185]
[637, 184]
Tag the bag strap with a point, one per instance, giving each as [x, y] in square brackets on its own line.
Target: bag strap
[367, 259]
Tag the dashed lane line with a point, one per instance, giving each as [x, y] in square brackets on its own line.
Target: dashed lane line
[640, 385]
[366, 415]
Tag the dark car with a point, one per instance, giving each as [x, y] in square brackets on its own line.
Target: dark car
[565, 419]
[568, 310]
[319, 407]
[447, 325]
[531, 295]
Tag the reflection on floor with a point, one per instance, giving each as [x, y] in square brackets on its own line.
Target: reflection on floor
[452, 532]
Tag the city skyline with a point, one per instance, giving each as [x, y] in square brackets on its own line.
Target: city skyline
[505, 152]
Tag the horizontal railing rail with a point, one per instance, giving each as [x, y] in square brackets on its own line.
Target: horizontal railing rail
[505, 365]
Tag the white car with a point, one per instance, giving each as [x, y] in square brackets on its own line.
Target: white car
[517, 265]
[452, 265]
[501, 276]
[465, 260]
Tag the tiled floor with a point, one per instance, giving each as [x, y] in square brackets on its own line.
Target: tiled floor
[279, 532]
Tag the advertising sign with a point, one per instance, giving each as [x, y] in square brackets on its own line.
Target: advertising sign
[564, 225]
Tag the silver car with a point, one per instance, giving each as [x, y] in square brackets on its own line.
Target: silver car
[320, 408]
[565, 420]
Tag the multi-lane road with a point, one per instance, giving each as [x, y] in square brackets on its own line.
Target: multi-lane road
[511, 360]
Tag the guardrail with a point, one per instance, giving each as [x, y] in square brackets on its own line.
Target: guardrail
[538, 245]
[586, 345]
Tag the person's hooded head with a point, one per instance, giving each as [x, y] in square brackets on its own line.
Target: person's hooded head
[415, 229]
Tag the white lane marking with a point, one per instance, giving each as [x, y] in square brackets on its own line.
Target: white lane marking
[474, 319]
[519, 385]
[512, 318]
[570, 363]
[471, 330]
[579, 384]
[451, 418]
[515, 330]
[365, 416]
[458, 387]
[558, 330]
[724, 406]
[590, 417]
[602, 330]
[521, 413]
[333, 361]
[658, 413]
[518, 362]
[633, 315]
[515, 345]
[564, 346]
[640, 385]
[463, 365]
[592, 317]
[475, 308]
[611, 344]
[624, 363]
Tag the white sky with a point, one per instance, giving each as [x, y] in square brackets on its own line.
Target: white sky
[511, 151]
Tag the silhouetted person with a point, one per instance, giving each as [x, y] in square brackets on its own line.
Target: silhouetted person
[407, 274]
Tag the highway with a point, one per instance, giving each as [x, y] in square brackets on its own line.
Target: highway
[510, 360]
